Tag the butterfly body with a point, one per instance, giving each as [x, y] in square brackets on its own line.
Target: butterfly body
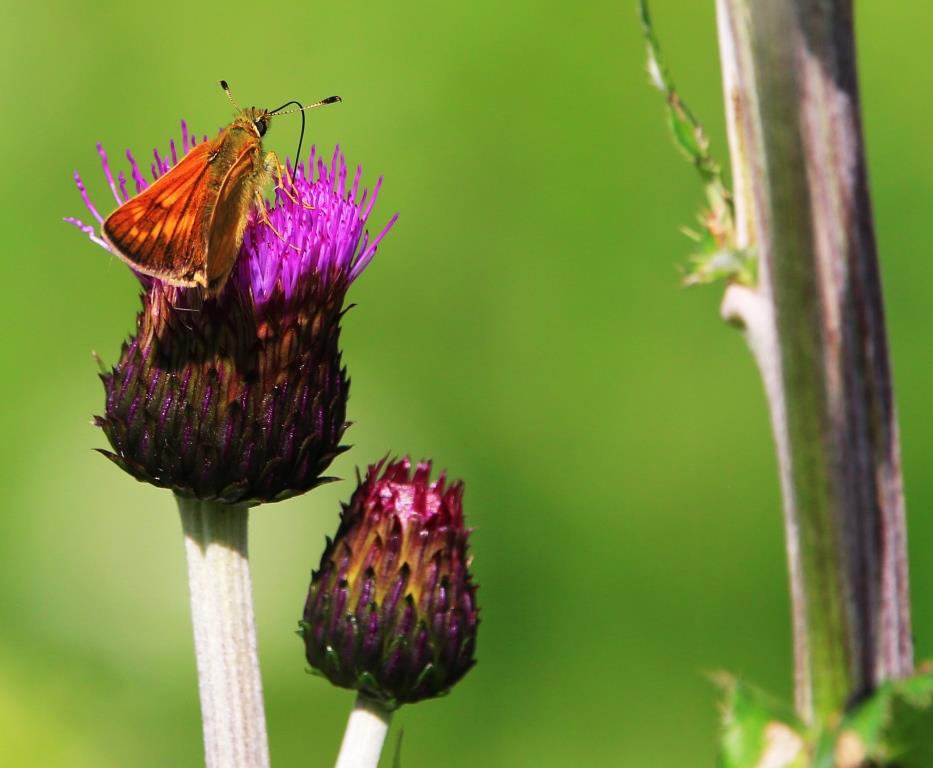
[186, 228]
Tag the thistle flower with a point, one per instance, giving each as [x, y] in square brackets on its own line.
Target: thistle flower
[391, 612]
[242, 399]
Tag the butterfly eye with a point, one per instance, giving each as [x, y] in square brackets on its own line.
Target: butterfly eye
[261, 126]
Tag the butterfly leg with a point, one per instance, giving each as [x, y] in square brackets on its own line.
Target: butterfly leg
[264, 218]
[275, 169]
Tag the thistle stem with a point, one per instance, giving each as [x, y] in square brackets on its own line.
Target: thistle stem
[365, 735]
[229, 683]
[815, 324]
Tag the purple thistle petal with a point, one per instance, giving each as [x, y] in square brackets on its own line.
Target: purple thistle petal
[321, 170]
[138, 177]
[87, 200]
[88, 230]
[367, 255]
[106, 164]
[372, 200]
[356, 183]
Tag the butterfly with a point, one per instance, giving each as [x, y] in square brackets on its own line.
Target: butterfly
[186, 228]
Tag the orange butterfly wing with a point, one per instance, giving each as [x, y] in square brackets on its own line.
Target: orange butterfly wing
[162, 231]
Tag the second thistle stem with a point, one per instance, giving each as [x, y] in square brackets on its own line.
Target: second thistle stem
[229, 683]
[365, 735]
[816, 325]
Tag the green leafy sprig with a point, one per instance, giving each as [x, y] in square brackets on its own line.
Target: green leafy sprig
[717, 256]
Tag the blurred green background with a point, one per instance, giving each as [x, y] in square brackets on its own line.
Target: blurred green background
[523, 325]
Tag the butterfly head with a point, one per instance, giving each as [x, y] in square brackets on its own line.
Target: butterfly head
[259, 119]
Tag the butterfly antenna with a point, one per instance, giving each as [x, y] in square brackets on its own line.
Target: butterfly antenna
[301, 137]
[299, 108]
[223, 84]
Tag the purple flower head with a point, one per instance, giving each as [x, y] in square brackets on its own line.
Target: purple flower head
[392, 609]
[242, 398]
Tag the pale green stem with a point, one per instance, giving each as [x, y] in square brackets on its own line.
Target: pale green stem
[816, 326]
[229, 683]
[365, 735]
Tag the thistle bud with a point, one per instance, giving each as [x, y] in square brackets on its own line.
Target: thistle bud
[391, 611]
[242, 398]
